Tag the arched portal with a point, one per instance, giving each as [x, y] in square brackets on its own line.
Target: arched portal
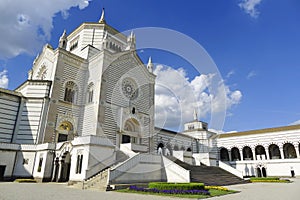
[235, 154]
[258, 172]
[62, 166]
[289, 151]
[131, 131]
[160, 149]
[65, 131]
[247, 153]
[274, 152]
[260, 152]
[224, 156]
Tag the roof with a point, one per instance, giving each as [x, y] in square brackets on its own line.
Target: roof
[261, 131]
[11, 92]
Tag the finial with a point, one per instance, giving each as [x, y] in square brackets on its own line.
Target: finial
[102, 20]
[150, 65]
[195, 115]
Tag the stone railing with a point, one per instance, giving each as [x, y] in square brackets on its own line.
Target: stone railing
[230, 169]
[119, 169]
[175, 173]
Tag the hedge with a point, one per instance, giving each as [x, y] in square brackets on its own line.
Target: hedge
[176, 186]
[264, 179]
[25, 181]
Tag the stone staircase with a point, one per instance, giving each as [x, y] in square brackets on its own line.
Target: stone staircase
[99, 181]
[209, 175]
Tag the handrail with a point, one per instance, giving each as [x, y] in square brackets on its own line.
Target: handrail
[230, 169]
[123, 167]
[183, 173]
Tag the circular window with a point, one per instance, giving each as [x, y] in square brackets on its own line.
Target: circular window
[129, 88]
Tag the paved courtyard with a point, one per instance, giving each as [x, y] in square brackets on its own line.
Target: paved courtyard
[47, 191]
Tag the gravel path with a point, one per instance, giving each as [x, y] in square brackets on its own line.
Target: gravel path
[47, 191]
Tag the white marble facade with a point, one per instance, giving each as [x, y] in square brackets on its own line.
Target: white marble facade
[92, 98]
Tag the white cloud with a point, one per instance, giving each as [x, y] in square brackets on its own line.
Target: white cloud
[3, 79]
[26, 25]
[251, 75]
[249, 6]
[176, 97]
[295, 123]
[229, 74]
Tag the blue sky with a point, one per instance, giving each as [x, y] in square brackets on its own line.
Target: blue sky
[254, 43]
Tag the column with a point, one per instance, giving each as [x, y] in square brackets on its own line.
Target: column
[229, 155]
[60, 171]
[253, 153]
[281, 152]
[241, 154]
[54, 171]
[267, 152]
[297, 150]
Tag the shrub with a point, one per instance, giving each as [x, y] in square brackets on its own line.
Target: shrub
[176, 186]
[269, 179]
[25, 180]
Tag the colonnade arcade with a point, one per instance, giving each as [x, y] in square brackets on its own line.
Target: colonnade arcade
[260, 152]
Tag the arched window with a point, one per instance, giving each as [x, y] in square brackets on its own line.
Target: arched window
[176, 148]
[90, 93]
[274, 152]
[260, 152]
[189, 149]
[289, 151]
[182, 148]
[224, 156]
[70, 92]
[160, 149]
[247, 153]
[235, 154]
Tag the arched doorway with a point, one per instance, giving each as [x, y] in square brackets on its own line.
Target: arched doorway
[274, 152]
[247, 153]
[176, 148]
[235, 154]
[224, 156]
[65, 132]
[289, 151]
[258, 172]
[131, 132]
[61, 169]
[264, 172]
[160, 149]
[260, 152]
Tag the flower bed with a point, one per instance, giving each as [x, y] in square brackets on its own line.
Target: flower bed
[169, 191]
[176, 186]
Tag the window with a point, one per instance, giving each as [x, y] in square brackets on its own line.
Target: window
[90, 93]
[79, 164]
[39, 169]
[70, 92]
[74, 44]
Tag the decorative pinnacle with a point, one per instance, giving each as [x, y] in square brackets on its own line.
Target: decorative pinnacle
[195, 115]
[150, 65]
[102, 19]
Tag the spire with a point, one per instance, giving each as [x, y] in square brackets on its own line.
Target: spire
[63, 40]
[195, 115]
[150, 65]
[102, 19]
[131, 41]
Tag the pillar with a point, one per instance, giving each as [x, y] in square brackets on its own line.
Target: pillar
[297, 151]
[281, 152]
[267, 152]
[253, 153]
[60, 171]
[229, 155]
[54, 171]
[241, 154]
